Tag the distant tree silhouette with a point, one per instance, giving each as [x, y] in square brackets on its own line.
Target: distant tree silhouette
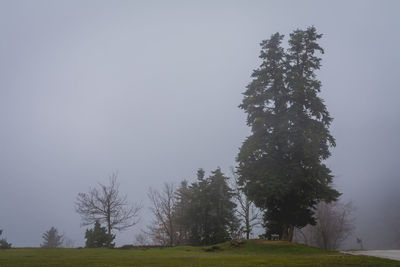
[52, 239]
[106, 205]
[334, 225]
[3, 242]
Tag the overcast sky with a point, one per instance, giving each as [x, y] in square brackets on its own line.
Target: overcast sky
[151, 89]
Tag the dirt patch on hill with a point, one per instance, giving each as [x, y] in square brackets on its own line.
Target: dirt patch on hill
[270, 242]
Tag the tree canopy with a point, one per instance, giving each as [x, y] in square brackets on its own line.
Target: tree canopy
[281, 164]
[201, 213]
[209, 212]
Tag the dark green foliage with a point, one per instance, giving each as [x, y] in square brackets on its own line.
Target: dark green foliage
[52, 239]
[3, 242]
[281, 162]
[205, 209]
[98, 237]
[221, 214]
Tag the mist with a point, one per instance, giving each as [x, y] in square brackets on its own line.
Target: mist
[151, 89]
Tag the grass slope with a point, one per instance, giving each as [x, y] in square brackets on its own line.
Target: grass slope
[251, 253]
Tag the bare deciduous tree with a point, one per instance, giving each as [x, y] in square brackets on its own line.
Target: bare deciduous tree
[141, 239]
[163, 227]
[68, 242]
[334, 225]
[247, 211]
[108, 206]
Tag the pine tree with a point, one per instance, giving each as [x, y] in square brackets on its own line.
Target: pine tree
[98, 237]
[281, 162]
[206, 210]
[181, 212]
[222, 219]
[197, 211]
[52, 239]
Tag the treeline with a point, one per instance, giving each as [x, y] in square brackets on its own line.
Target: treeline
[209, 210]
[200, 213]
[280, 166]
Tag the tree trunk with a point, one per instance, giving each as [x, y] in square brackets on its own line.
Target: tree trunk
[287, 232]
[248, 221]
[284, 235]
[290, 233]
[109, 224]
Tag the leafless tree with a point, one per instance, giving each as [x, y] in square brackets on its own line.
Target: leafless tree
[390, 212]
[68, 242]
[141, 239]
[107, 205]
[334, 225]
[247, 211]
[163, 230]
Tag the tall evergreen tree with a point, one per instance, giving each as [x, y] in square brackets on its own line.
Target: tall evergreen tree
[205, 210]
[281, 162]
[222, 213]
[198, 212]
[181, 212]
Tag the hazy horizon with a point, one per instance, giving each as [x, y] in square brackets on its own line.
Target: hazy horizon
[151, 89]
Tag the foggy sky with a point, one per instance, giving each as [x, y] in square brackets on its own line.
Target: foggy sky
[151, 89]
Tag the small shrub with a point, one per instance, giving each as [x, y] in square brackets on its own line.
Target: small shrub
[3, 242]
[98, 237]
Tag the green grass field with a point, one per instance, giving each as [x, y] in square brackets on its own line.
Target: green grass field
[251, 253]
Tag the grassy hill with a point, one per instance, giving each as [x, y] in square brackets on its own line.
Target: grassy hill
[248, 253]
